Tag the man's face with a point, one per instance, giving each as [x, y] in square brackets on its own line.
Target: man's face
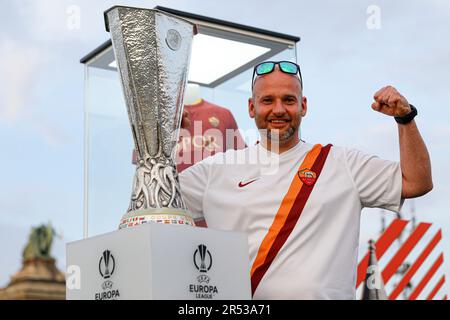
[277, 105]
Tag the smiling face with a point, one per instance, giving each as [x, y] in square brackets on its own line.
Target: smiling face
[277, 105]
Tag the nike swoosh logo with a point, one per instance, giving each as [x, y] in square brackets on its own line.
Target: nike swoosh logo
[241, 185]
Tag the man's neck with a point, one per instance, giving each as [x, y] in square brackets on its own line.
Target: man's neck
[279, 147]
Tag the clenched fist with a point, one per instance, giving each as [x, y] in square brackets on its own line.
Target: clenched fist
[389, 101]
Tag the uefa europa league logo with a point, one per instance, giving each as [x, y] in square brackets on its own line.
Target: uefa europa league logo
[107, 264]
[202, 258]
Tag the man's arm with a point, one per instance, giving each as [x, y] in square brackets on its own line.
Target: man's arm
[414, 161]
[192, 193]
[414, 157]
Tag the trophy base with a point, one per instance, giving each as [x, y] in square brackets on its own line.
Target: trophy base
[160, 262]
[160, 215]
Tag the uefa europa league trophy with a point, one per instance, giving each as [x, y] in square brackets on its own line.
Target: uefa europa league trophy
[152, 50]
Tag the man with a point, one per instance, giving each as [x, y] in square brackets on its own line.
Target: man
[303, 221]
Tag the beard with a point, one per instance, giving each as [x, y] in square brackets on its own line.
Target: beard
[275, 134]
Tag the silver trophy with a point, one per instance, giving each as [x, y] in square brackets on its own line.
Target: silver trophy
[152, 50]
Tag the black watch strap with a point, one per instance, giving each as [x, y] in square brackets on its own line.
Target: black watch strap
[407, 118]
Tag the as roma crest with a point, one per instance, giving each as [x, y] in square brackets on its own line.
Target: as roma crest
[307, 176]
[214, 121]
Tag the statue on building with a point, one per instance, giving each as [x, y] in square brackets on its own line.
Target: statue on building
[39, 242]
[39, 278]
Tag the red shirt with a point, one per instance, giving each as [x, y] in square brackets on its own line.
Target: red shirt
[207, 134]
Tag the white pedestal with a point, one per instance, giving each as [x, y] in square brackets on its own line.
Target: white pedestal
[157, 261]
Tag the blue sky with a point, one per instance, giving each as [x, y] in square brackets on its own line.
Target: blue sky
[343, 64]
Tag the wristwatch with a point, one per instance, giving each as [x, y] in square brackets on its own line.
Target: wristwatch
[407, 118]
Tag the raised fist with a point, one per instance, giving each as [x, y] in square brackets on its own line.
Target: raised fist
[389, 101]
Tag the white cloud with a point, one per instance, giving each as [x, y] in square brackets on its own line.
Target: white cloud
[377, 137]
[442, 5]
[48, 20]
[52, 133]
[440, 136]
[19, 65]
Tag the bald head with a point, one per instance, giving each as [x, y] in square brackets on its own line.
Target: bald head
[281, 76]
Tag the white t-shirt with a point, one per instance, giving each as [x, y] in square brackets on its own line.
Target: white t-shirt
[242, 190]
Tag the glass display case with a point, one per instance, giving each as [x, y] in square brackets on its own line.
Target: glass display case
[222, 60]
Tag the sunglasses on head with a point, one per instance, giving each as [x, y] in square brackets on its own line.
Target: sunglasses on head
[268, 66]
